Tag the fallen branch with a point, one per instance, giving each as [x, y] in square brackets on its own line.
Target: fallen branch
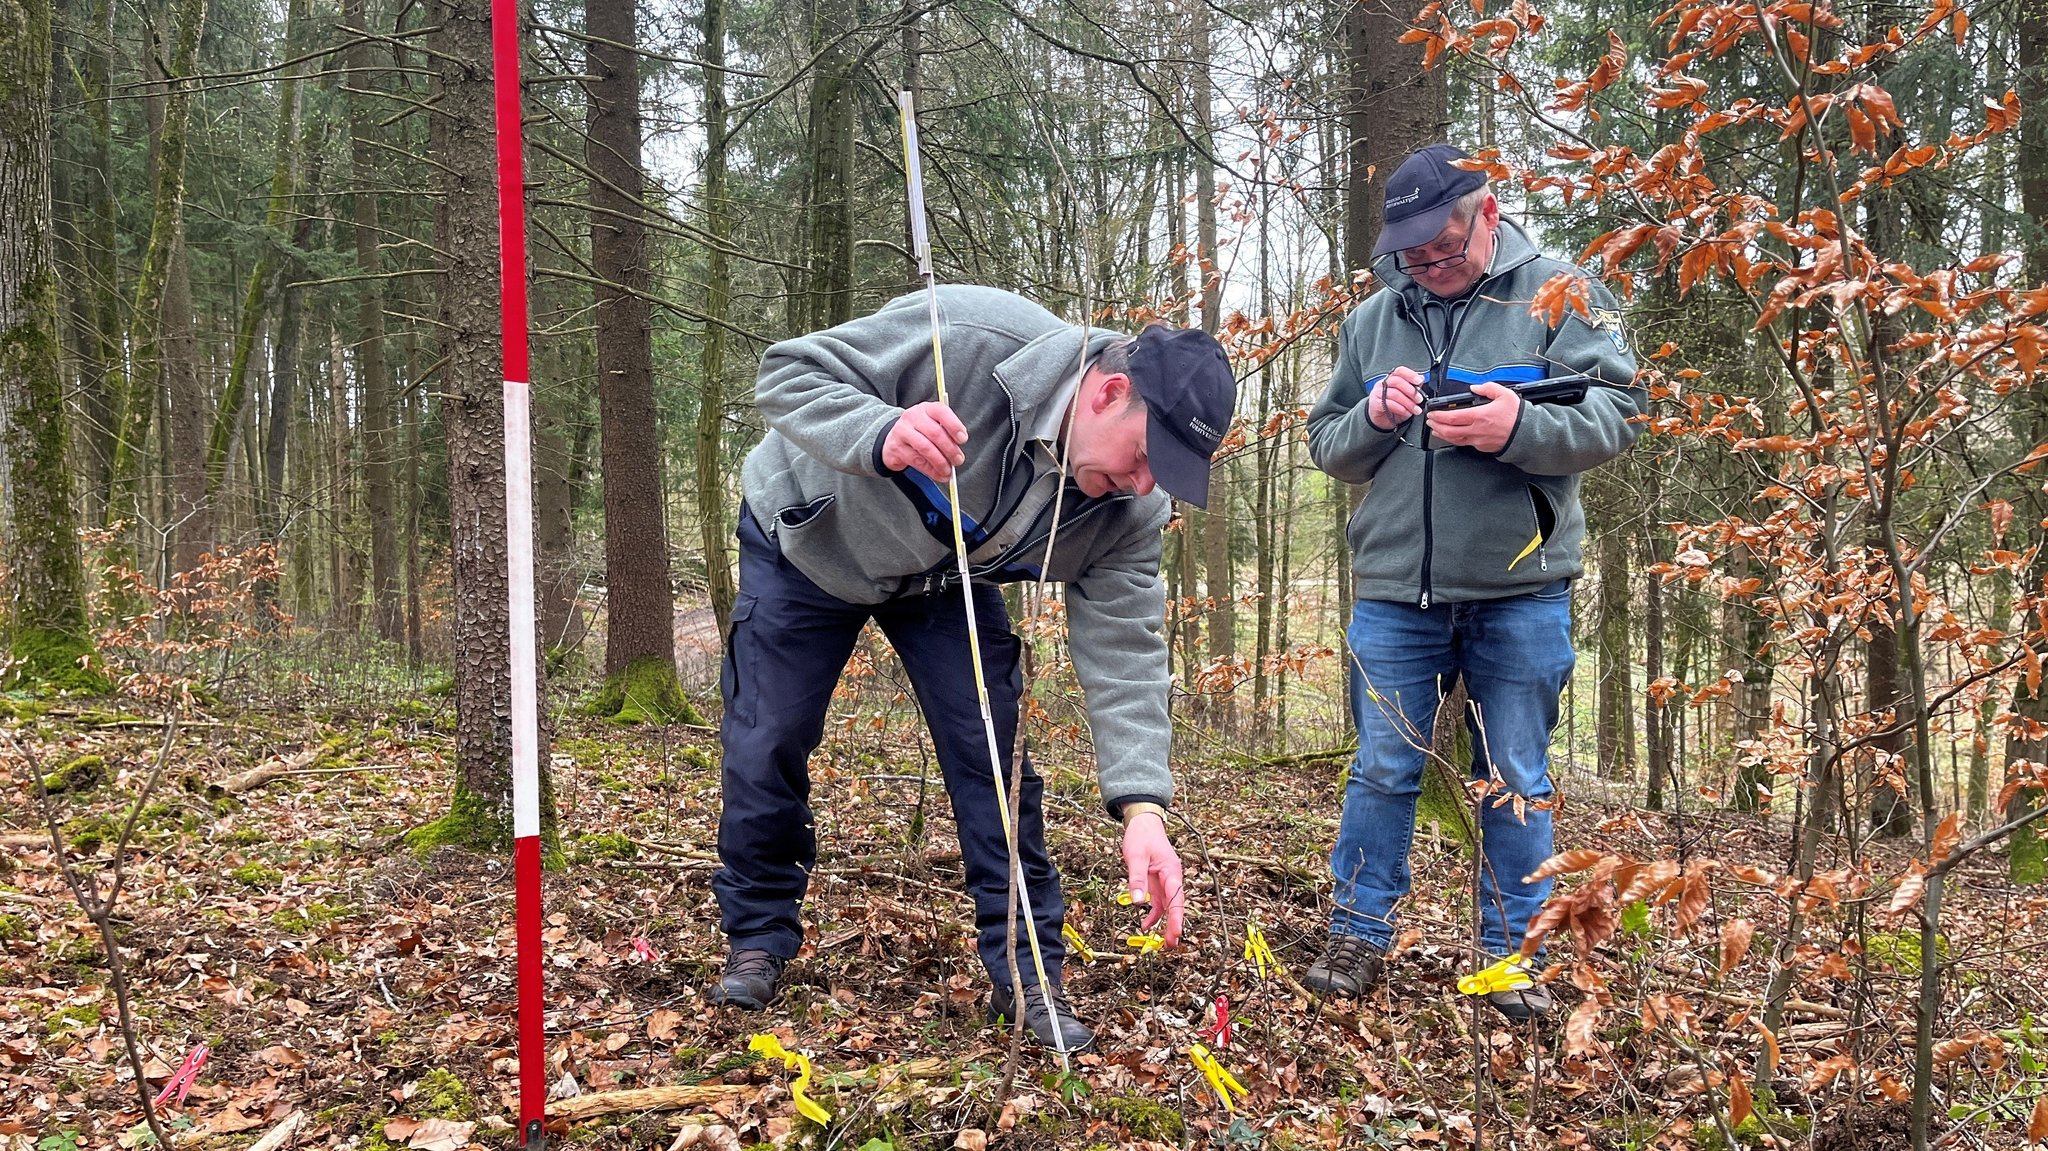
[257, 776]
[640, 1099]
[682, 1098]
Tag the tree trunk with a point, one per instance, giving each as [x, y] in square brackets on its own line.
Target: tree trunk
[190, 523]
[260, 276]
[471, 385]
[1615, 717]
[137, 396]
[2028, 857]
[640, 612]
[1656, 748]
[1393, 105]
[102, 396]
[47, 605]
[380, 491]
[829, 199]
[1216, 560]
[344, 609]
[713, 518]
[555, 574]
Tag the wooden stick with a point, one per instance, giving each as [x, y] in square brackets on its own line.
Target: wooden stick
[640, 1099]
[257, 776]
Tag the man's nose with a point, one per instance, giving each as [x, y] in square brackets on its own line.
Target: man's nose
[1141, 480]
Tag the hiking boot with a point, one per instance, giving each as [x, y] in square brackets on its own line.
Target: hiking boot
[1347, 966]
[1523, 1004]
[1078, 1037]
[749, 980]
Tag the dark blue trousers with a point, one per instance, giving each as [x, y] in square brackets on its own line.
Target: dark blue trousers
[790, 641]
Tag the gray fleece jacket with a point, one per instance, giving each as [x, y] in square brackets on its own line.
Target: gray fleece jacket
[817, 484]
[1445, 523]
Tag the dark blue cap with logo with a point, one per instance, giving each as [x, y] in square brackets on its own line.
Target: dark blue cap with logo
[1184, 379]
[1421, 195]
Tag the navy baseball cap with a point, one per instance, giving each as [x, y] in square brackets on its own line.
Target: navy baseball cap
[1184, 379]
[1420, 196]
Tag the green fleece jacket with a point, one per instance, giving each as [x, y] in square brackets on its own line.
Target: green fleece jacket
[816, 483]
[1447, 524]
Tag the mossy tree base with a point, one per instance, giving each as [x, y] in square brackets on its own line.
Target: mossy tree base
[59, 661]
[474, 824]
[647, 691]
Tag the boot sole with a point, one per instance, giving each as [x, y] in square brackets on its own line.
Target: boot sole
[739, 999]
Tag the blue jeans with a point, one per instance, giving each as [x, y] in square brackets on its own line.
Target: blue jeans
[1515, 655]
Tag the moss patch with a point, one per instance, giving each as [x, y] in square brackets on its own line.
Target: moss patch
[1900, 951]
[81, 775]
[603, 845]
[2026, 861]
[55, 660]
[254, 874]
[78, 1017]
[471, 822]
[1144, 1118]
[647, 691]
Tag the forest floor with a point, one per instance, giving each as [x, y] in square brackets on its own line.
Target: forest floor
[353, 994]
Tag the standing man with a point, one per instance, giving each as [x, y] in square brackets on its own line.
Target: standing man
[847, 519]
[1466, 545]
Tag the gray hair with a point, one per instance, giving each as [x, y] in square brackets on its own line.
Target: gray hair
[1468, 204]
[1115, 360]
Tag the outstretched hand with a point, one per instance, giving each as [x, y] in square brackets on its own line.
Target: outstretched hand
[1152, 872]
[926, 437]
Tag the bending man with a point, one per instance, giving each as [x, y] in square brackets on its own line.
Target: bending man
[847, 519]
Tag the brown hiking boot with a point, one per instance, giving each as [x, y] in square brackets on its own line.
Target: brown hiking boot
[1348, 966]
[749, 980]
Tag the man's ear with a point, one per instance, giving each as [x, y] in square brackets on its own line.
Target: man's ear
[1114, 392]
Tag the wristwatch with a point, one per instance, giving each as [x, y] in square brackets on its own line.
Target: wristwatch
[1128, 810]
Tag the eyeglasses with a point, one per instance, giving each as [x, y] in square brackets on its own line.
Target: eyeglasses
[1409, 269]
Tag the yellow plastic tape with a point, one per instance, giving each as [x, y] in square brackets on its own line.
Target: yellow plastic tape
[1079, 945]
[1222, 1082]
[1258, 952]
[1510, 974]
[768, 1046]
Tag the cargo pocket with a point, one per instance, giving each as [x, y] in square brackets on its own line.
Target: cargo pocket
[734, 675]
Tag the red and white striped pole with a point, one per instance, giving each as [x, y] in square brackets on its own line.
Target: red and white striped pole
[519, 572]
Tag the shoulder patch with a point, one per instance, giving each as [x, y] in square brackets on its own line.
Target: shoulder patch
[1609, 320]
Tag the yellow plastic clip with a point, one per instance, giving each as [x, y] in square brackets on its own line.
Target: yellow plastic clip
[770, 1047]
[1125, 898]
[1256, 950]
[1145, 943]
[1510, 974]
[1221, 1081]
[1079, 945]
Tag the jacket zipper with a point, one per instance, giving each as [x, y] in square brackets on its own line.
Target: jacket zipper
[1439, 368]
[1032, 539]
